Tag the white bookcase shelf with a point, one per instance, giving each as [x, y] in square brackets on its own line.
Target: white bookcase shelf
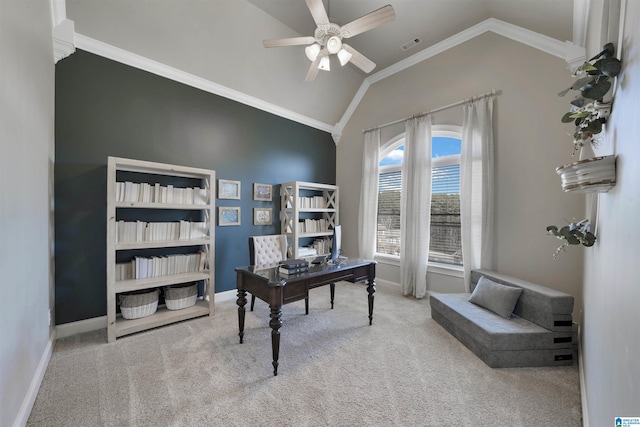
[150, 173]
[308, 211]
[126, 246]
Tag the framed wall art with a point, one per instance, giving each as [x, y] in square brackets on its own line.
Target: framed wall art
[262, 192]
[228, 189]
[262, 216]
[228, 215]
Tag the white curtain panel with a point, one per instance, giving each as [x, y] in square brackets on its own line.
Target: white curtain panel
[368, 213]
[415, 206]
[477, 187]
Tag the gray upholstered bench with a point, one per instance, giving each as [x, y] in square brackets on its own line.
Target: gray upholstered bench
[540, 331]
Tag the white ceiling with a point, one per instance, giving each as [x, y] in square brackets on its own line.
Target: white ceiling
[429, 20]
[216, 45]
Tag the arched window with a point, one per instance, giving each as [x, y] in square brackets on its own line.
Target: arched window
[445, 244]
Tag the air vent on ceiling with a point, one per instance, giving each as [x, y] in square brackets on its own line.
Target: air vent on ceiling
[411, 44]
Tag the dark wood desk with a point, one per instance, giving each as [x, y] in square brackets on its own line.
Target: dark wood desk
[277, 290]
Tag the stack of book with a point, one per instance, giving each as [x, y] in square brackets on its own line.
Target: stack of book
[306, 251]
[293, 266]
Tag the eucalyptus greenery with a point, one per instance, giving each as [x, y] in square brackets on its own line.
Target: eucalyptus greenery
[588, 111]
[576, 233]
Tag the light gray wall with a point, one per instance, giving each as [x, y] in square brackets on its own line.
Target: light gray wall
[26, 159]
[530, 143]
[611, 332]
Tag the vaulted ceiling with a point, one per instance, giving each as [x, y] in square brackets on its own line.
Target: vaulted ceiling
[216, 45]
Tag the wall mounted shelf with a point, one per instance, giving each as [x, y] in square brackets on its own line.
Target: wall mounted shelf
[594, 175]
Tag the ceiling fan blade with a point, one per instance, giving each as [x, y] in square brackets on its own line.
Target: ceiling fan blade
[316, 7]
[291, 41]
[368, 22]
[313, 70]
[359, 60]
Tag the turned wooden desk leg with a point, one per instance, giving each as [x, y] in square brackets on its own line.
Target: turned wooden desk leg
[371, 289]
[332, 286]
[275, 323]
[242, 301]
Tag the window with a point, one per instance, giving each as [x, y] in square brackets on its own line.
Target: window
[446, 242]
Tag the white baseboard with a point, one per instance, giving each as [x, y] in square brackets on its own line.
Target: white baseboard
[81, 326]
[388, 285]
[583, 386]
[95, 323]
[38, 376]
[226, 295]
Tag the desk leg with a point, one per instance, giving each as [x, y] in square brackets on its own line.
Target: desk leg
[332, 286]
[242, 301]
[275, 323]
[371, 288]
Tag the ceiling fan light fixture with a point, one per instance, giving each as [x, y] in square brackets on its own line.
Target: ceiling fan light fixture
[324, 64]
[312, 51]
[344, 56]
[327, 38]
[334, 44]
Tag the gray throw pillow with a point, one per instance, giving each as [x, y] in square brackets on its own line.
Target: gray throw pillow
[495, 297]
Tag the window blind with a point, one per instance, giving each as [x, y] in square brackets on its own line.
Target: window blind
[446, 243]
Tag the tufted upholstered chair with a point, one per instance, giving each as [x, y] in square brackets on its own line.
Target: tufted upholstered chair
[265, 250]
[269, 250]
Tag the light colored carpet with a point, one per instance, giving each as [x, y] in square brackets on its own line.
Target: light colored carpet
[335, 370]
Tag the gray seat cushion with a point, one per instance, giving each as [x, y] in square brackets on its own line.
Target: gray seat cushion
[494, 332]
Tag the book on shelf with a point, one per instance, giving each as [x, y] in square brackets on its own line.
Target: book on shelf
[313, 225]
[314, 202]
[145, 267]
[291, 264]
[128, 191]
[306, 251]
[322, 246]
[200, 196]
[141, 231]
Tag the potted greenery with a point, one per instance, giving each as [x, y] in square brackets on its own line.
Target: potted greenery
[576, 233]
[589, 112]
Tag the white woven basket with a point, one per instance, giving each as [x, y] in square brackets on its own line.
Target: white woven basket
[137, 305]
[177, 297]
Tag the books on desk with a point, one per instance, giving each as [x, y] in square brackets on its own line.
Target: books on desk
[293, 266]
[285, 272]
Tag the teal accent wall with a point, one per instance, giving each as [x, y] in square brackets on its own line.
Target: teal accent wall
[104, 108]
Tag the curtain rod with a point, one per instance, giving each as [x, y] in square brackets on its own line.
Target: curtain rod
[435, 110]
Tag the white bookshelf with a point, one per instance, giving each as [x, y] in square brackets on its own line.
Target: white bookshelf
[148, 173]
[308, 211]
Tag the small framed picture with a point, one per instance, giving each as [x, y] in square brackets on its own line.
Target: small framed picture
[262, 192]
[228, 215]
[262, 216]
[228, 189]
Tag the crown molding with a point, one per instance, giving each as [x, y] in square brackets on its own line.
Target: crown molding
[580, 21]
[339, 127]
[58, 11]
[63, 30]
[63, 40]
[125, 57]
[571, 53]
[568, 51]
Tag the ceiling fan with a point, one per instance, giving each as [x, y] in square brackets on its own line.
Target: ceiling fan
[327, 39]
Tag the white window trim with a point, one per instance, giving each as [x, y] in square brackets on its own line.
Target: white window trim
[432, 267]
[450, 131]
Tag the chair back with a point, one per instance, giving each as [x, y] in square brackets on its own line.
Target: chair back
[268, 249]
